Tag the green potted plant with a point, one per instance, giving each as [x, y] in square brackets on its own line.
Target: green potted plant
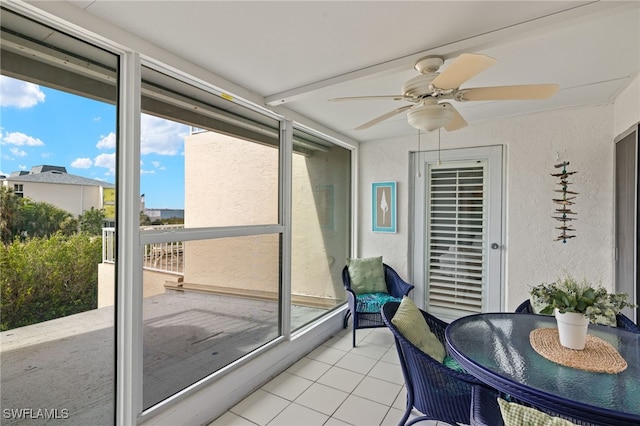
[575, 304]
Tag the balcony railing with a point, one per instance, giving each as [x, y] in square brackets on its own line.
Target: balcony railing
[161, 257]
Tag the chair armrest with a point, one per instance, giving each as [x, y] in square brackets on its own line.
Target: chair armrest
[396, 286]
[351, 298]
[436, 325]
[351, 295]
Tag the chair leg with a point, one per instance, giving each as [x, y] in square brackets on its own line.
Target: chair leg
[405, 416]
[354, 336]
[345, 322]
[407, 411]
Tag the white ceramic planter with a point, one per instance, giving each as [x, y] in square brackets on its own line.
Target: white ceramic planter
[572, 329]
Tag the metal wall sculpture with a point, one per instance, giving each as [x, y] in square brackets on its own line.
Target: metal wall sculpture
[563, 212]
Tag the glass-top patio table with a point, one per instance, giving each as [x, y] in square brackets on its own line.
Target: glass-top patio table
[495, 347]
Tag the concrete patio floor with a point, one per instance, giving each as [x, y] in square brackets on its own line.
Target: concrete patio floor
[68, 364]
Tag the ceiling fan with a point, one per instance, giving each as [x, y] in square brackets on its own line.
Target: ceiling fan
[427, 89]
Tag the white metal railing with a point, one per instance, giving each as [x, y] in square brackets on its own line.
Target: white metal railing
[161, 257]
[108, 245]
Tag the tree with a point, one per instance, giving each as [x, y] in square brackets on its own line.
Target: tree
[9, 214]
[69, 226]
[40, 219]
[144, 219]
[92, 221]
[25, 218]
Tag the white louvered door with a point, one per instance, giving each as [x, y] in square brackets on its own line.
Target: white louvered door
[457, 247]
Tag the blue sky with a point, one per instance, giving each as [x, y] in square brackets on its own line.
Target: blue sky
[39, 125]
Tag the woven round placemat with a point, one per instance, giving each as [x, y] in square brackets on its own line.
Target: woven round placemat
[597, 356]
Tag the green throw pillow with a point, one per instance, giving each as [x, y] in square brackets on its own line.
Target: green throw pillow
[367, 275]
[518, 415]
[410, 322]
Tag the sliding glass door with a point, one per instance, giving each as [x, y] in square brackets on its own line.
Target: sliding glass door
[162, 233]
[57, 336]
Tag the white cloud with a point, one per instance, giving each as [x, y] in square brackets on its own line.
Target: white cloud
[147, 172]
[161, 136]
[107, 142]
[20, 139]
[18, 93]
[107, 161]
[157, 136]
[82, 163]
[18, 152]
[22, 167]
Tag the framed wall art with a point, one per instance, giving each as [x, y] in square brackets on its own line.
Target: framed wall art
[384, 206]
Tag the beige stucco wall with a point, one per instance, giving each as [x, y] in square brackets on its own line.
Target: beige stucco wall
[320, 232]
[224, 191]
[73, 198]
[153, 283]
[533, 144]
[221, 190]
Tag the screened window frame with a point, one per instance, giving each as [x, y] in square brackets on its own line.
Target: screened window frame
[283, 136]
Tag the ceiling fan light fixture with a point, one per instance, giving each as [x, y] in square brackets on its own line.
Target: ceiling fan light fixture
[426, 89]
[428, 64]
[430, 116]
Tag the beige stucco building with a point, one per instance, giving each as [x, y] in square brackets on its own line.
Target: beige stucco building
[244, 193]
[53, 185]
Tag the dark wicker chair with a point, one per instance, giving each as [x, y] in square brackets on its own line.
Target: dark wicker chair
[625, 322]
[525, 308]
[396, 287]
[485, 410]
[438, 392]
[622, 321]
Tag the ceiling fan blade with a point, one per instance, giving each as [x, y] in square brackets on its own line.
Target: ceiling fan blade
[462, 69]
[383, 117]
[457, 122]
[505, 93]
[369, 98]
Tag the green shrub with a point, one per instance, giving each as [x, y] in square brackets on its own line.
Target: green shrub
[47, 278]
[25, 218]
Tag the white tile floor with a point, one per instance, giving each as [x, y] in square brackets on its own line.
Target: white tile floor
[333, 385]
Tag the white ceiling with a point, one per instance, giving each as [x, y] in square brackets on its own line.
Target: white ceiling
[299, 54]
